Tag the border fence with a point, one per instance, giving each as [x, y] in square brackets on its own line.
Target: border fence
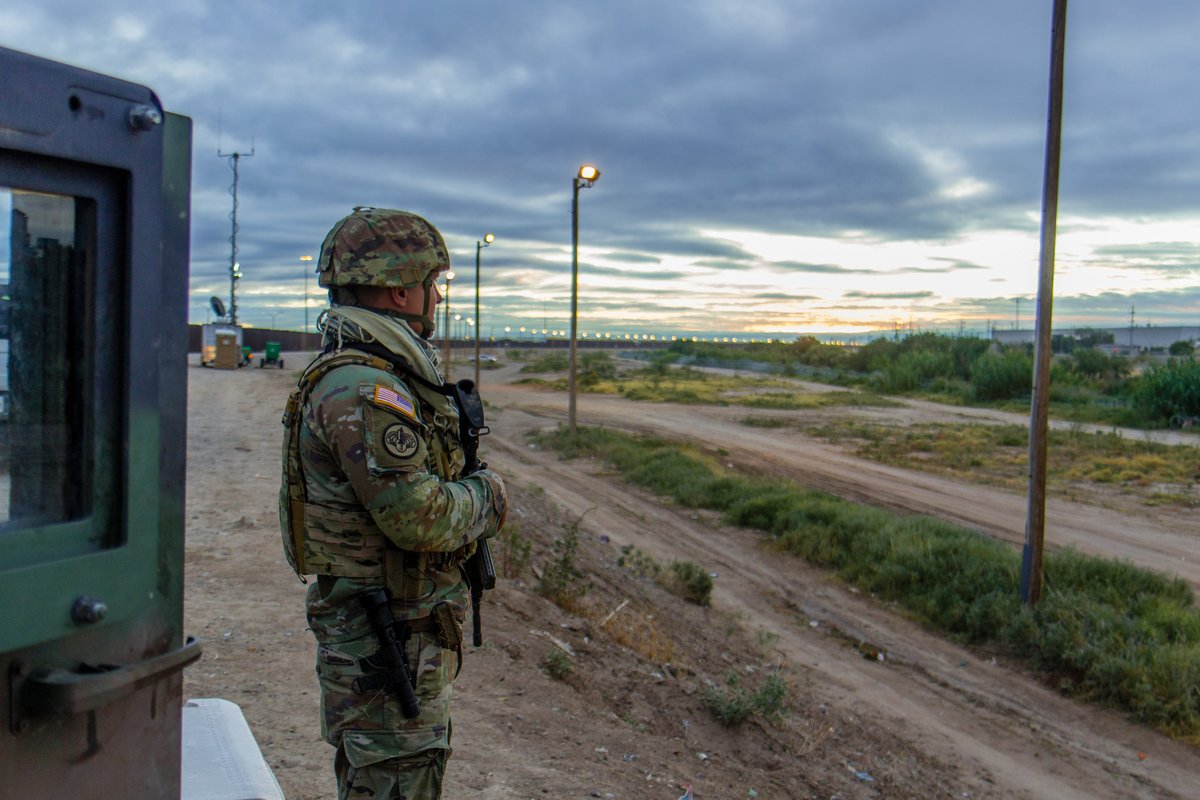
[257, 338]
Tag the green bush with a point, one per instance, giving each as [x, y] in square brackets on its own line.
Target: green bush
[595, 367]
[691, 582]
[639, 563]
[1002, 377]
[872, 355]
[1182, 348]
[685, 579]
[562, 582]
[1168, 389]
[735, 704]
[557, 664]
[1098, 365]
[550, 362]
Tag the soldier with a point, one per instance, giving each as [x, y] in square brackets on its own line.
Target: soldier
[375, 497]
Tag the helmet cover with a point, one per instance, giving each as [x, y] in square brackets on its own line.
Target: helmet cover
[381, 247]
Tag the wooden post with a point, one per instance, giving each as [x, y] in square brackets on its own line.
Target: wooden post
[1035, 521]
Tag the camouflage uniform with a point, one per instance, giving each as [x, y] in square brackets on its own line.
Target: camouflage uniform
[375, 478]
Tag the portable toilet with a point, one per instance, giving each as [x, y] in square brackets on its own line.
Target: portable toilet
[211, 333]
[229, 351]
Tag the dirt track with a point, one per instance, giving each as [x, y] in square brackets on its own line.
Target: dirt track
[931, 720]
[1166, 543]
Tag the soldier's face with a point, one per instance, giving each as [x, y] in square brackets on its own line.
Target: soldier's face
[413, 301]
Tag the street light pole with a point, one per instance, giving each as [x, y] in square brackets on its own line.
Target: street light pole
[304, 262]
[488, 238]
[446, 325]
[585, 178]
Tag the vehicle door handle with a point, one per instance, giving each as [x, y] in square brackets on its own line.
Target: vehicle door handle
[54, 691]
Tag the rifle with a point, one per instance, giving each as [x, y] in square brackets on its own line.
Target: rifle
[389, 664]
[479, 570]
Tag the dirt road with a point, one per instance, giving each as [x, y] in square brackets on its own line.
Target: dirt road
[1151, 538]
[930, 720]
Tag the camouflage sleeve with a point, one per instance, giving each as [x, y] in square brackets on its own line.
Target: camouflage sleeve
[371, 425]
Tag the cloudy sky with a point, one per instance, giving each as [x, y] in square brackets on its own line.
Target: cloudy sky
[769, 167]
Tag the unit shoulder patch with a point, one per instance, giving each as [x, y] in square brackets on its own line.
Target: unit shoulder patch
[400, 441]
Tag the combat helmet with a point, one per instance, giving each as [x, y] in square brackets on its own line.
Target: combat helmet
[384, 247]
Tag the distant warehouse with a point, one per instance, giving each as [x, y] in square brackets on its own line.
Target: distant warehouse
[1113, 340]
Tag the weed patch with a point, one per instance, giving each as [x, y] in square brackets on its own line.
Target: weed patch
[562, 582]
[516, 550]
[684, 579]
[734, 704]
[691, 582]
[557, 664]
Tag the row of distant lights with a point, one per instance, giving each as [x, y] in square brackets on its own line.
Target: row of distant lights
[634, 337]
[644, 337]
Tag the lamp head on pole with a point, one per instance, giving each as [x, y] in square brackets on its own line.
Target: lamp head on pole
[587, 175]
[488, 238]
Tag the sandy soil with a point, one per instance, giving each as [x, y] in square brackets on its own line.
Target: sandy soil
[929, 719]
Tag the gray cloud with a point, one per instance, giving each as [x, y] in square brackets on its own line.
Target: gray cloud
[859, 295]
[828, 269]
[916, 121]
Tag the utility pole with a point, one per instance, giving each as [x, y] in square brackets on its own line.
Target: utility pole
[235, 274]
[1035, 520]
[1131, 331]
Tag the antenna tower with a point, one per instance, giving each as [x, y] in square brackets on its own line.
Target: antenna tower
[234, 268]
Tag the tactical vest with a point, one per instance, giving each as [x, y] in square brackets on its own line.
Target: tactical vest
[321, 540]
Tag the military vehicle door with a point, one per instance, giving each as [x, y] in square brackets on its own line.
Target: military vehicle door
[94, 181]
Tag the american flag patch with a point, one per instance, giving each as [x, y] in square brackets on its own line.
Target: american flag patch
[389, 399]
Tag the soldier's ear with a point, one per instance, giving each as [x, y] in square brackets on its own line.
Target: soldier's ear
[398, 296]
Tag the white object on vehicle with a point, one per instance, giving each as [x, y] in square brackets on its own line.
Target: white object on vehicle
[221, 759]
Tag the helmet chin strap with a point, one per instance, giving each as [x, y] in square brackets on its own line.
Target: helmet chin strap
[426, 315]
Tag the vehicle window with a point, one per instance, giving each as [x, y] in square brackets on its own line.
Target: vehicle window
[46, 260]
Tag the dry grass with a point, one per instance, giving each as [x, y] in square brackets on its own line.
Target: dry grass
[635, 630]
[1158, 474]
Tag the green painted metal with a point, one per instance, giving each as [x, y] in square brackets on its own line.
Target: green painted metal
[92, 643]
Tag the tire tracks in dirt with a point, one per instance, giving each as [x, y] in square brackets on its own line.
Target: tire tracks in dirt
[1161, 545]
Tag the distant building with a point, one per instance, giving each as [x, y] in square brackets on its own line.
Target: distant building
[1125, 340]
